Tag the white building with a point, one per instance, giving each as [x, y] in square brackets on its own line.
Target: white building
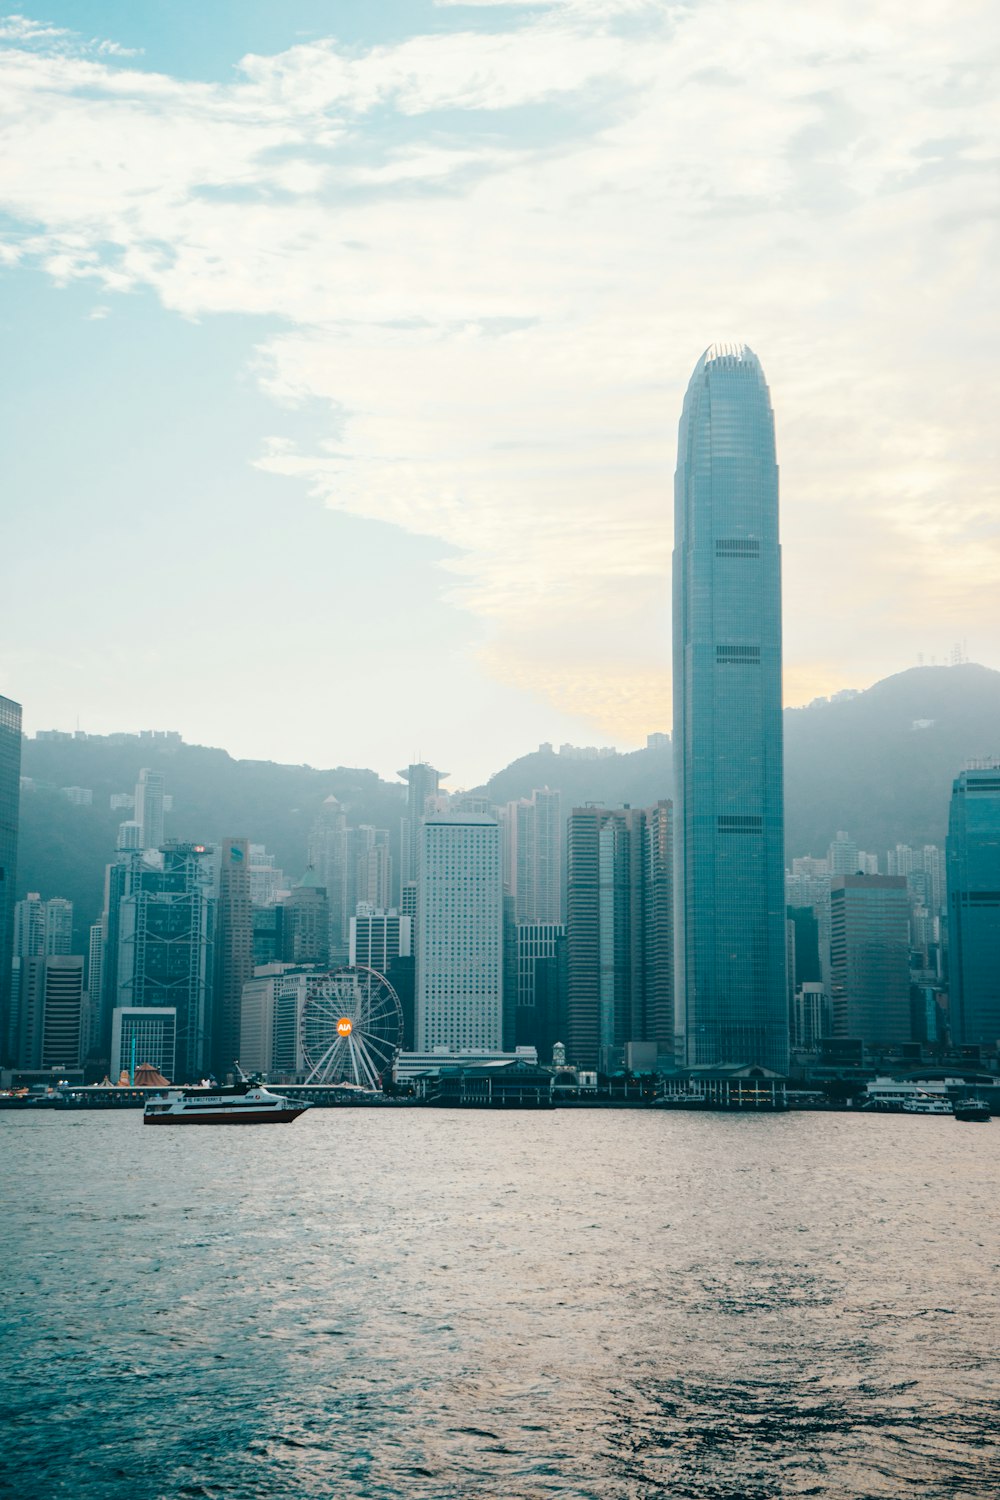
[459, 988]
[379, 936]
[153, 1028]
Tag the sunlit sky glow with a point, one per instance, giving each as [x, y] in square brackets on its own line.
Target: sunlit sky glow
[345, 346]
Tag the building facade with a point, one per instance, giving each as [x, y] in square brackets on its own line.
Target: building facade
[423, 782]
[51, 1012]
[619, 933]
[234, 959]
[973, 875]
[459, 970]
[165, 938]
[153, 1031]
[731, 1002]
[869, 958]
[379, 937]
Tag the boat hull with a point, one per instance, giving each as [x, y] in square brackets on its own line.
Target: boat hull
[244, 1117]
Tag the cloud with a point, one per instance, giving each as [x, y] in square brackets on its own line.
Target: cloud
[495, 256]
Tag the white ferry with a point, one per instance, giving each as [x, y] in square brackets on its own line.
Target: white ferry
[927, 1104]
[248, 1102]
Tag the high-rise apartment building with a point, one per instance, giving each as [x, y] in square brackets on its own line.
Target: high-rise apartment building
[58, 927]
[10, 801]
[149, 807]
[869, 958]
[619, 933]
[729, 842]
[165, 935]
[373, 880]
[233, 951]
[459, 982]
[973, 873]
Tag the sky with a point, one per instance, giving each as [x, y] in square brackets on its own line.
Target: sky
[346, 343]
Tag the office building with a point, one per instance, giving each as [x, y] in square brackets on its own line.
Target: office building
[619, 934]
[305, 923]
[10, 801]
[51, 1013]
[534, 944]
[422, 783]
[379, 937]
[459, 970]
[149, 808]
[271, 1021]
[153, 1031]
[973, 884]
[165, 936]
[731, 997]
[811, 1016]
[234, 959]
[869, 959]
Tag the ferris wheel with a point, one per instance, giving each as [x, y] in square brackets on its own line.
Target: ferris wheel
[352, 1028]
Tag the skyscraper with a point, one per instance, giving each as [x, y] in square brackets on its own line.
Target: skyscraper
[10, 799]
[149, 807]
[973, 865]
[618, 933]
[731, 1002]
[459, 995]
[233, 951]
[869, 958]
[422, 782]
[51, 1020]
[165, 931]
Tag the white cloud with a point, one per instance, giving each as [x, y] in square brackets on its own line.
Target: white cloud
[498, 255]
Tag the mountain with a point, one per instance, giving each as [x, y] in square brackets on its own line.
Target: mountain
[878, 763]
[881, 764]
[64, 848]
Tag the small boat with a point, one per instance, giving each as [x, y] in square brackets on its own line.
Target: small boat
[247, 1102]
[971, 1109]
[927, 1104]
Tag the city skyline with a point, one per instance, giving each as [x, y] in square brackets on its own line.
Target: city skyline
[350, 338]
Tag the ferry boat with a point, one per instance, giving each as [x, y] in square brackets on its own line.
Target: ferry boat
[248, 1102]
[971, 1109]
[927, 1104]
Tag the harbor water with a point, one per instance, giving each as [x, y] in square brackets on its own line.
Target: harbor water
[421, 1303]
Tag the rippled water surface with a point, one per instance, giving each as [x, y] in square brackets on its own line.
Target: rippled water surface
[422, 1303]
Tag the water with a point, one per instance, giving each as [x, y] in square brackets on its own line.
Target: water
[579, 1304]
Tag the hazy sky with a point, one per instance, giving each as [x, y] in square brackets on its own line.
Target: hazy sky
[344, 346]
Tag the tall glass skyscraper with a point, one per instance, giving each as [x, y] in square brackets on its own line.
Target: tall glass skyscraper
[729, 914]
[973, 864]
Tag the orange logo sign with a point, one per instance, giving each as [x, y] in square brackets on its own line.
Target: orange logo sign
[344, 1027]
